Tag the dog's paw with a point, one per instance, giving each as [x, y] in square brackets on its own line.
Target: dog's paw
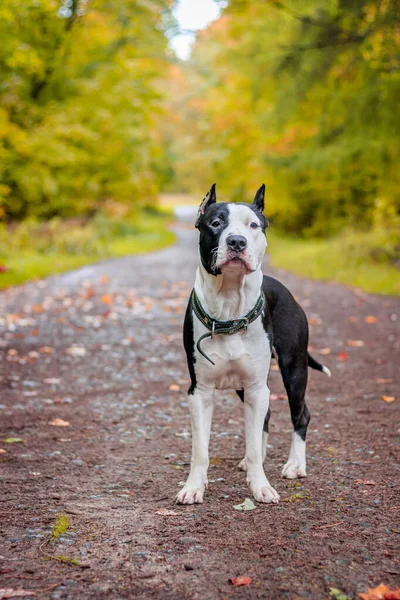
[190, 495]
[293, 470]
[242, 465]
[264, 492]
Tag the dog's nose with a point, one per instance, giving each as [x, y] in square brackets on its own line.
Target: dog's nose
[236, 242]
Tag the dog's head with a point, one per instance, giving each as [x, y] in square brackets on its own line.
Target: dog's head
[232, 236]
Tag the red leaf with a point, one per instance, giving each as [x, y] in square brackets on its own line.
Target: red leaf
[365, 482]
[238, 581]
[342, 356]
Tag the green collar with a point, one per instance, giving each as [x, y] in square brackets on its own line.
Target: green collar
[224, 327]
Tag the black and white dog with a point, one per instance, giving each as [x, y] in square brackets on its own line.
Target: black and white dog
[235, 319]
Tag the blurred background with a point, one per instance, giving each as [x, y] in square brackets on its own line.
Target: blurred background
[113, 112]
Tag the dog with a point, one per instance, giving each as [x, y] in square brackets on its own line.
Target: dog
[235, 320]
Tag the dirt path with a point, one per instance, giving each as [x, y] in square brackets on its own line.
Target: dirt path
[122, 389]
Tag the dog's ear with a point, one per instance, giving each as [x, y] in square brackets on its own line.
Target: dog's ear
[258, 201]
[210, 198]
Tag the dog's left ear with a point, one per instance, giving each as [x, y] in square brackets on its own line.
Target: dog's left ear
[258, 201]
[210, 198]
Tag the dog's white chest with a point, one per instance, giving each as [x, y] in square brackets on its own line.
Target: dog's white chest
[240, 359]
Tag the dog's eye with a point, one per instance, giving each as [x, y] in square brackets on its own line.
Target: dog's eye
[254, 225]
[216, 223]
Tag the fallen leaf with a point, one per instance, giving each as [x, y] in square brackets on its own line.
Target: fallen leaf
[59, 423]
[129, 303]
[13, 440]
[2, 451]
[104, 279]
[365, 482]
[174, 387]
[76, 351]
[315, 321]
[353, 319]
[37, 308]
[238, 581]
[3, 268]
[52, 380]
[382, 592]
[370, 319]
[215, 460]
[274, 368]
[342, 356]
[383, 380]
[325, 351]
[295, 497]
[247, 504]
[273, 396]
[106, 299]
[166, 512]
[46, 350]
[15, 593]
[336, 594]
[356, 343]
[12, 352]
[388, 399]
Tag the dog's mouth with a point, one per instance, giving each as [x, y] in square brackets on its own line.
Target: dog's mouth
[236, 262]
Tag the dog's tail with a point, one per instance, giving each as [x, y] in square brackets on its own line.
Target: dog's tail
[314, 364]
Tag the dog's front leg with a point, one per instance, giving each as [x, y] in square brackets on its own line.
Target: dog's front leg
[201, 404]
[256, 403]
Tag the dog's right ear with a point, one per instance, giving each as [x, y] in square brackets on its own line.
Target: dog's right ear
[210, 198]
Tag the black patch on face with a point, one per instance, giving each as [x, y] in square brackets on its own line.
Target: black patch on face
[211, 225]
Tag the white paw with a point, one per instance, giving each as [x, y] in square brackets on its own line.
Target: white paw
[293, 470]
[242, 465]
[265, 493]
[190, 495]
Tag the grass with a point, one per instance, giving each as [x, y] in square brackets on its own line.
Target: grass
[363, 260]
[34, 251]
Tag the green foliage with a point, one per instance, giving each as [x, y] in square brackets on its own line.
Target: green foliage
[35, 250]
[60, 526]
[336, 594]
[303, 96]
[79, 104]
[368, 260]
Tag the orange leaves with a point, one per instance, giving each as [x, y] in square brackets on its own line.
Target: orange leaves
[174, 387]
[388, 399]
[370, 319]
[382, 592]
[106, 299]
[37, 308]
[59, 423]
[239, 581]
[342, 356]
[356, 343]
[365, 482]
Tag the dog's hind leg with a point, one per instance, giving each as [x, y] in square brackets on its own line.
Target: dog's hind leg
[201, 409]
[294, 374]
[242, 465]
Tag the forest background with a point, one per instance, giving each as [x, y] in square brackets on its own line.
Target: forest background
[98, 117]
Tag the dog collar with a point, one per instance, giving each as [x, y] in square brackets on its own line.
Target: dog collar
[224, 327]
